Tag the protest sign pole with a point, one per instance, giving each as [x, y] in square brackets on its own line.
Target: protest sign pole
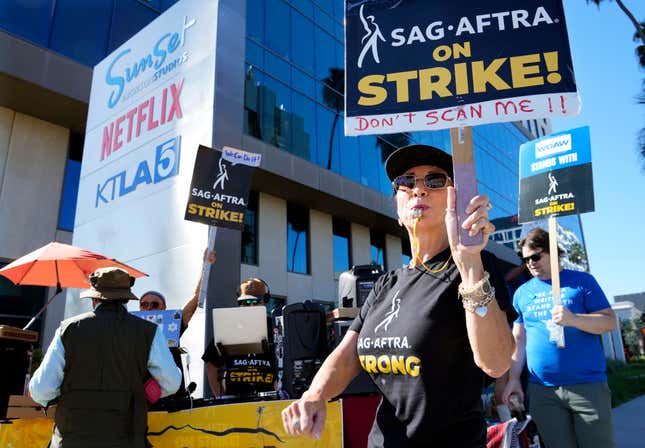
[555, 269]
[212, 233]
[465, 178]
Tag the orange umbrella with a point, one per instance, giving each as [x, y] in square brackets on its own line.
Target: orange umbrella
[59, 265]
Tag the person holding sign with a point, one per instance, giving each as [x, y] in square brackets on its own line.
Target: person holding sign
[426, 331]
[155, 301]
[245, 375]
[568, 394]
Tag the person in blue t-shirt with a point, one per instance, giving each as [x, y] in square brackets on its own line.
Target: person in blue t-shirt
[568, 394]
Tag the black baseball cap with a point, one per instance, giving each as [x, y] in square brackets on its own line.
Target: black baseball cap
[410, 156]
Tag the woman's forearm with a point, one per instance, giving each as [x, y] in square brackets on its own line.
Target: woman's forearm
[490, 337]
[490, 340]
[338, 370]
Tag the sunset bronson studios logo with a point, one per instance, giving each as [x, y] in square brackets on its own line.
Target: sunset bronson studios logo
[157, 61]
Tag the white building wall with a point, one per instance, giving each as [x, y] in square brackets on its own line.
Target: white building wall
[6, 124]
[32, 154]
[393, 253]
[272, 243]
[360, 244]
[322, 256]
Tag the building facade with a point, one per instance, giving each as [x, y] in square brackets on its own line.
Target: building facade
[321, 202]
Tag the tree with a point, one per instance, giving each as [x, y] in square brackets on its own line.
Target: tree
[632, 335]
[640, 29]
[333, 94]
[640, 54]
[577, 255]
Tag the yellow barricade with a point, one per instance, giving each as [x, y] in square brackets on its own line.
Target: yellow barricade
[244, 425]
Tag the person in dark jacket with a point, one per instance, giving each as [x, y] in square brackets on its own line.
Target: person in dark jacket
[96, 366]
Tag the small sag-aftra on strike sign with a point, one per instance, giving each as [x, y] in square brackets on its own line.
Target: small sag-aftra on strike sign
[555, 176]
[219, 191]
[426, 65]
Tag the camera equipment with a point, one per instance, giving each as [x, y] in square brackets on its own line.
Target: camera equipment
[301, 346]
[355, 285]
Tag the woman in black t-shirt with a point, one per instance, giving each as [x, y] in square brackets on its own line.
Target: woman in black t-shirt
[427, 331]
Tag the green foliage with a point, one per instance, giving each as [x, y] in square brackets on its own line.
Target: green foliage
[632, 330]
[626, 381]
[577, 255]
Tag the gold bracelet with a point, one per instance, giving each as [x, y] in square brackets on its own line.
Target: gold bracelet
[482, 291]
[479, 289]
[481, 307]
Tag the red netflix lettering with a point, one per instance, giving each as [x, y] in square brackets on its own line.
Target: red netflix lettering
[152, 123]
[118, 132]
[175, 107]
[147, 118]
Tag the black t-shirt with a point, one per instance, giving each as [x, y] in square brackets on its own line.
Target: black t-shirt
[414, 345]
[244, 375]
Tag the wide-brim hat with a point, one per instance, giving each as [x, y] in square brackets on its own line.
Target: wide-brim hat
[410, 156]
[110, 283]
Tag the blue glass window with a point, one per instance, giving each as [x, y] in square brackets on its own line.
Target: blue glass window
[87, 43]
[280, 118]
[324, 20]
[350, 158]
[329, 127]
[279, 23]
[297, 239]
[255, 19]
[277, 67]
[303, 83]
[138, 16]
[165, 4]
[304, 6]
[302, 41]
[303, 125]
[325, 55]
[377, 247]
[28, 19]
[71, 180]
[250, 231]
[406, 252]
[370, 161]
[341, 234]
[254, 55]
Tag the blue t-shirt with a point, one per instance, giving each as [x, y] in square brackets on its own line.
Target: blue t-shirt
[583, 359]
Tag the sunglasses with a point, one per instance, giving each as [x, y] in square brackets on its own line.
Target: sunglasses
[153, 305]
[249, 302]
[534, 257]
[430, 180]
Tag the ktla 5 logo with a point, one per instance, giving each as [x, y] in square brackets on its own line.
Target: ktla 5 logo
[164, 166]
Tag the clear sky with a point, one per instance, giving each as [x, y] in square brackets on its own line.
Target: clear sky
[609, 80]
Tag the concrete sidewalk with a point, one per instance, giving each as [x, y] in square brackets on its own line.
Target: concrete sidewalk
[629, 424]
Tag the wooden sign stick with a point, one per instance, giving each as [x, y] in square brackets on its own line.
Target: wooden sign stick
[555, 269]
[465, 178]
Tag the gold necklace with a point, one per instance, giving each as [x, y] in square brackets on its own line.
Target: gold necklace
[436, 271]
[415, 243]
